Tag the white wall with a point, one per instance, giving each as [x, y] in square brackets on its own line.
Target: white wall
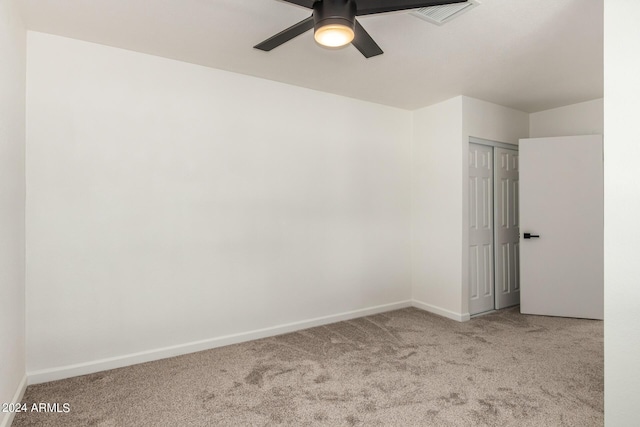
[12, 194]
[440, 202]
[437, 208]
[622, 210]
[493, 122]
[585, 118]
[170, 203]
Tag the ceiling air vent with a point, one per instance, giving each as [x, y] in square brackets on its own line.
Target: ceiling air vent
[440, 15]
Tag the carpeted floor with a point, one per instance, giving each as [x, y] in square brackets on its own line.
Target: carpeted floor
[402, 368]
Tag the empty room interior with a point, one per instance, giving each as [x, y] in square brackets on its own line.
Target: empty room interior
[319, 212]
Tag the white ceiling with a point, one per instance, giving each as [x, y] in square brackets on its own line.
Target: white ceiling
[530, 55]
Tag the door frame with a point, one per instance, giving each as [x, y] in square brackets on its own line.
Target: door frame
[493, 144]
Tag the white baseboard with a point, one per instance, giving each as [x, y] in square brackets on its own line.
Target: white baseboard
[45, 375]
[460, 317]
[7, 419]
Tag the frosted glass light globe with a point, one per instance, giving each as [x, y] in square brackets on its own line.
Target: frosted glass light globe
[334, 35]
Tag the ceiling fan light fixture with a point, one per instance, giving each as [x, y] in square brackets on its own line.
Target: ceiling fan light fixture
[334, 22]
[334, 35]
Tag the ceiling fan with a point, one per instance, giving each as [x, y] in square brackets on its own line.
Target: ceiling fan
[335, 25]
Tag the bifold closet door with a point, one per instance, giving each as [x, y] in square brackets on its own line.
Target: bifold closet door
[480, 229]
[507, 239]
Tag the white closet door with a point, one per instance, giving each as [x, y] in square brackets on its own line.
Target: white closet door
[507, 240]
[480, 228]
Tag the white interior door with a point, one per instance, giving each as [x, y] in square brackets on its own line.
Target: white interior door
[507, 241]
[562, 202]
[480, 228]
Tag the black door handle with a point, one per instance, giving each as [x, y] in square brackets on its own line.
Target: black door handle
[530, 236]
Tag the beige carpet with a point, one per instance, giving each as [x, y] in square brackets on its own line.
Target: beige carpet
[402, 368]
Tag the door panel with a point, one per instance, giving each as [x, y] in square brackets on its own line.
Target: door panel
[480, 228]
[507, 228]
[562, 201]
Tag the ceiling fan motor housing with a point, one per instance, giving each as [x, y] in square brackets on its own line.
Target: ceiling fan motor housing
[334, 12]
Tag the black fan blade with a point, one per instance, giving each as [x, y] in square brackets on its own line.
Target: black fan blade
[286, 35]
[364, 43]
[369, 7]
[304, 3]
